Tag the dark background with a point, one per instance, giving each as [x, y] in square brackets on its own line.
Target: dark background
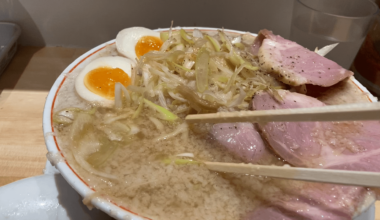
[87, 23]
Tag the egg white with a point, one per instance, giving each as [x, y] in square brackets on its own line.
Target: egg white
[113, 62]
[127, 39]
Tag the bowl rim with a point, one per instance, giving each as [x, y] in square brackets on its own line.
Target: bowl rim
[68, 172]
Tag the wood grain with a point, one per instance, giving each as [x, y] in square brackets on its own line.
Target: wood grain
[346, 112]
[344, 177]
[24, 86]
[21, 139]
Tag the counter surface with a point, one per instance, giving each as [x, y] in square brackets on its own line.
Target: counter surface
[23, 89]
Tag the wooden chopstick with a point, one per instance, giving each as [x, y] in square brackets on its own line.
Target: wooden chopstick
[355, 178]
[347, 112]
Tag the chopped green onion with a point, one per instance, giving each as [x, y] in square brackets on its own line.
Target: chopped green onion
[225, 40]
[166, 114]
[178, 47]
[238, 60]
[139, 109]
[164, 36]
[177, 102]
[181, 67]
[239, 45]
[250, 67]
[222, 79]
[232, 79]
[214, 43]
[195, 101]
[180, 161]
[222, 36]
[91, 111]
[201, 70]
[235, 59]
[186, 37]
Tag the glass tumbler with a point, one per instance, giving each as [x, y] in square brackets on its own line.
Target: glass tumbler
[317, 23]
[366, 65]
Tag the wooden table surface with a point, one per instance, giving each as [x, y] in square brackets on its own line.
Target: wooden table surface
[23, 89]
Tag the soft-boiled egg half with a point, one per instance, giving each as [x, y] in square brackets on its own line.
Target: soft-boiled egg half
[96, 82]
[137, 41]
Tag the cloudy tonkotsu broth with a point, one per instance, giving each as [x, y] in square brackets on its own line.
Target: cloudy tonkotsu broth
[129, 155]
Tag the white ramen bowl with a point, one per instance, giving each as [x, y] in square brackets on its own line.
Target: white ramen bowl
[68, 172]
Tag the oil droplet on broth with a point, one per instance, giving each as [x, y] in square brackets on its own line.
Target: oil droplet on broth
[146, 44]
[101, 81]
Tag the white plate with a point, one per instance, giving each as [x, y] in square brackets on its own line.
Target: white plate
[45, 197]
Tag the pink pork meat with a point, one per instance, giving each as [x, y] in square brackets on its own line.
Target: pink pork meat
[293, 64]
[308, 144]
[243, 140]
[289, 199]
[334, 145]
[331, 145]
[313, 201]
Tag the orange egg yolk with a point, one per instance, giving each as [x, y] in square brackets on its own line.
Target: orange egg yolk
[146, 44]
[101, 81]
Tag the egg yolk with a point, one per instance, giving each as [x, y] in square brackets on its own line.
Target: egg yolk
[146, 44]
[101, 81]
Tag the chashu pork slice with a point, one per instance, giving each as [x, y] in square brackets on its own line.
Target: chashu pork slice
[314, 201]
[293, 64]
[333, 145]
[287, 199]
[243, 140]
